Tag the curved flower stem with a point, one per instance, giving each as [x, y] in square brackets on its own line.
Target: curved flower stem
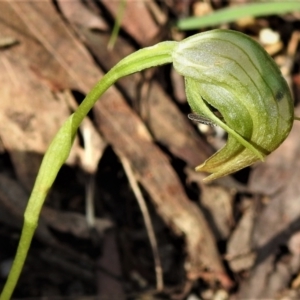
[60, 147]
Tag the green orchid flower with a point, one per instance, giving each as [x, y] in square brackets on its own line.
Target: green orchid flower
[232, 73]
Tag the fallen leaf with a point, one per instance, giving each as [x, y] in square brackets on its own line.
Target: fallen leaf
[239, 252]
[79, 14]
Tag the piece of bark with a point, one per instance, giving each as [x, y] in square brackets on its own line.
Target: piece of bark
[30, 111]
[52, 52]
[30, 115]
[239, 252]
[275, 225]
[76, 12]
[217, 204]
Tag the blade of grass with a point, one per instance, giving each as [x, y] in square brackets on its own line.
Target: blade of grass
[117, 25]
[231, 14]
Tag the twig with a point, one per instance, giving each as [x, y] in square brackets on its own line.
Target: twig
[141, 201]
[89, 200]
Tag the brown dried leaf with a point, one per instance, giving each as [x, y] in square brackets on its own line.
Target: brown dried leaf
[31, 110]
[30, 115]
[217, 202]
[239, 251]
[78, 13]
[277, 222]
[52, 52]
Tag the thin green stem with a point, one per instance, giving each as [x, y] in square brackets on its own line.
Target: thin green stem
[25, 241]
[143, 59]
[61, 145]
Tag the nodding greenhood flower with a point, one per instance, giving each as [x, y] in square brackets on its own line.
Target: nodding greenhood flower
[224, 70]
[229, 72]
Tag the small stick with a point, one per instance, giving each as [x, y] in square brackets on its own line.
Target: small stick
[89, 200]
[141, 201]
